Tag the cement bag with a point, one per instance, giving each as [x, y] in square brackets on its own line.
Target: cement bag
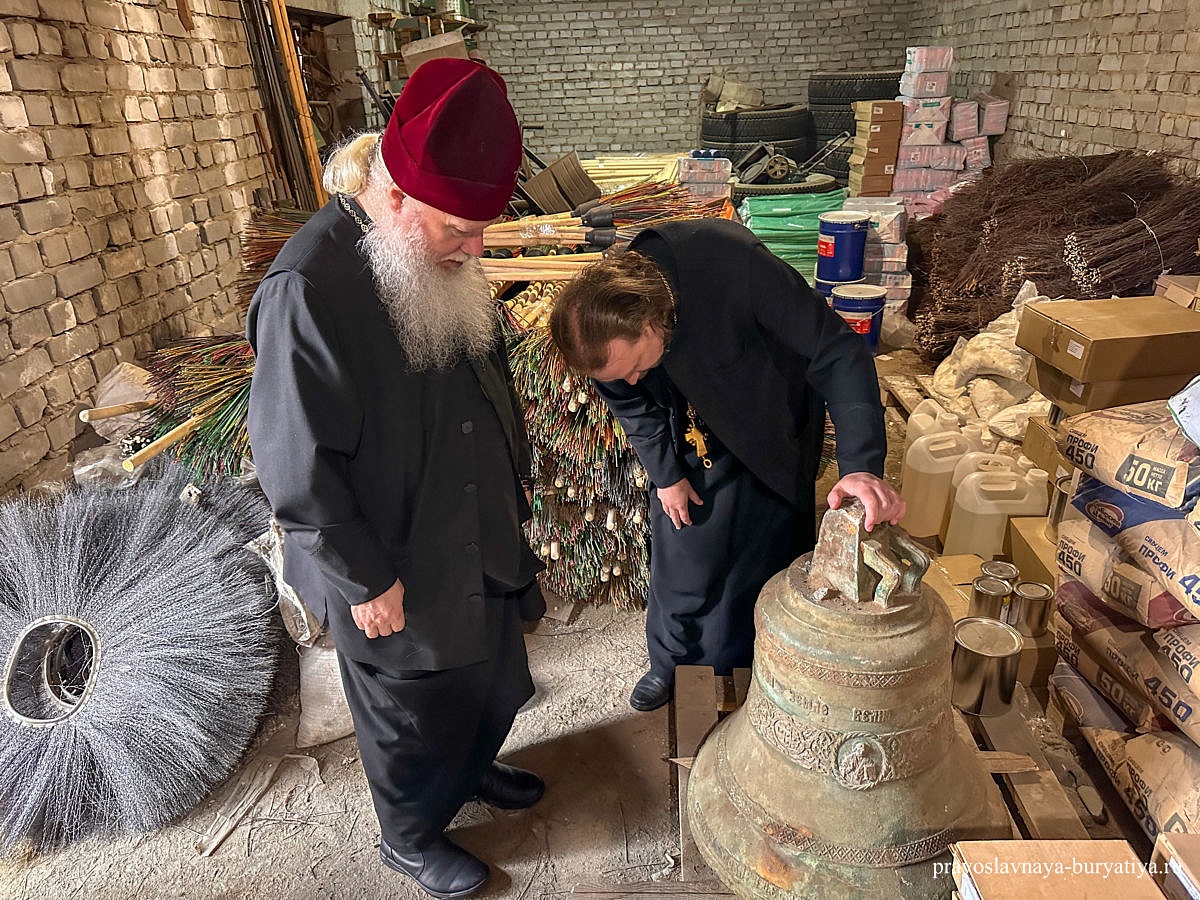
[994, 353]
[946, 382]
[324, 714]
[1088, 555]
[1181, 647]
[1134, 653]
[1138, 449]
[1159, 540]
[991, 394]
[1087, 706]
[1157, 775]
[1100, 674]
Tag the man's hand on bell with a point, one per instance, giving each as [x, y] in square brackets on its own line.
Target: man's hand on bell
[881, 502]
[382, 616]
[675, 499]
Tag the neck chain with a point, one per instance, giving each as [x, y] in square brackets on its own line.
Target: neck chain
[352, 209]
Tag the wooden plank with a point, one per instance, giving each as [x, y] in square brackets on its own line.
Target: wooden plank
[1040, 798]
[905, 389]
[727, 700]
[695, 712]
[662, 890]
[741, 684]
[291, 68]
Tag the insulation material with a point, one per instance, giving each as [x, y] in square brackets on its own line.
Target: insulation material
[951, 157]
[925, 84]
[928, 59]
[1133, 652]
[993, 113]
[929, 109]
[964, 120]
[1157, 775]
[1092, 558]
[1159, 540]
[922, 134]
[979, 156]
[1138, 449]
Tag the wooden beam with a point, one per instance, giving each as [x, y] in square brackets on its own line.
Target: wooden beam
[291, 67]
[661, 890]
[695, 709]
[184, 8]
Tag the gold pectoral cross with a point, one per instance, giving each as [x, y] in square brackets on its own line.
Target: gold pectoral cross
[695, 437]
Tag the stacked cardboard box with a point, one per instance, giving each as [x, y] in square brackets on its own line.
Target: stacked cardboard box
[1095, 354]
[876, 143]
[706, 177]
[885, 258]
[1181, 289]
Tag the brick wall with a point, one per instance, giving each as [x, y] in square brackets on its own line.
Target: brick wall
[607, 76]
[128, 161]
[1090, 76]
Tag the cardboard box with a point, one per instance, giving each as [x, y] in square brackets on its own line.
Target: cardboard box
[1030, 550]
[1175, 865]
[869, 185]
[872, 165]
[878, 134]
[1053, 870]
[450, 45]
[875, 151]
[1112, 340]
[1181, 289]
[1041, 446]
[951, 577]
[1039, 656]
[878, 111]
[1075, 397]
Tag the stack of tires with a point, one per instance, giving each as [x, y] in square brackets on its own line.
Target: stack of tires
[830, 95]
[788, 128]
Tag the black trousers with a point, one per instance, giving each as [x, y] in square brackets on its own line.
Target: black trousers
[706, 577]
[426, 737]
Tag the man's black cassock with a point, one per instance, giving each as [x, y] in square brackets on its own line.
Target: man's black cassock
[759, 355]
[375, 474]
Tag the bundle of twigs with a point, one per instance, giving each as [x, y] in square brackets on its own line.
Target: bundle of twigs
[1013, 225]
[202, 386]
[264, 236]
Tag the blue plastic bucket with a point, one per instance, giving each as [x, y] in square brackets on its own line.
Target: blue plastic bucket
[826, 287]
[861, 305]
[841, 241]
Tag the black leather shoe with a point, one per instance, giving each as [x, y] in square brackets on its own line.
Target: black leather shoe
[443, 869]
[650, 692]
[506, 787]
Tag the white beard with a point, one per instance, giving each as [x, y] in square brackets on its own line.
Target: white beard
[440, 316]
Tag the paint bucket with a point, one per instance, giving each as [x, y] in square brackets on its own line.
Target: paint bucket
[984, 666]
[1032, 607]
[991, 598]
[841, 242]
[861, 305]
[827, 287]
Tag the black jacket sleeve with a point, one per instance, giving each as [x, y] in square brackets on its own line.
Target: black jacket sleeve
[840, 368]
[305, 423]
[648, 427]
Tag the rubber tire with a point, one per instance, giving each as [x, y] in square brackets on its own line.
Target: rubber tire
[844, 87]
[797, 150]
[815, 186]
[831, 120]
[837, 163]
[754, 125]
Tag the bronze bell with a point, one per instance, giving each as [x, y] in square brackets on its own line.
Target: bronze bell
[842, 775]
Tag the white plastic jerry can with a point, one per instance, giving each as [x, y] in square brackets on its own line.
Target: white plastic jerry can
[928, 469]
[927, 419]
[974, 461]
[983, 505]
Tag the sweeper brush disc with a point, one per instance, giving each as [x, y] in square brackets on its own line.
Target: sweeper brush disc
[137, 650]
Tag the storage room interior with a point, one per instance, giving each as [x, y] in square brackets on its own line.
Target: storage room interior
[991, 211]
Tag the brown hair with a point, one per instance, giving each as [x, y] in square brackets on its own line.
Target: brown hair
[614, 298]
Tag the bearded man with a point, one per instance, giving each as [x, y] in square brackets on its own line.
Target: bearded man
[389, 441]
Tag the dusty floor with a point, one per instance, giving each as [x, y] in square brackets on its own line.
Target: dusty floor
[608, 814]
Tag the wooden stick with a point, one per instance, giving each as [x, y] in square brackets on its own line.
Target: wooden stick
[107, 412]
[291, 66]
[174, 436]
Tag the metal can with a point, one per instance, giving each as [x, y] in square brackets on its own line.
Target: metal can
[984, 666]
[998, 568]
[1058, 506]
[990, 598]
[1031, 608]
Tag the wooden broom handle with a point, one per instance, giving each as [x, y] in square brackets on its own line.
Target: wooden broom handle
[174, 436]
[120, 409]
